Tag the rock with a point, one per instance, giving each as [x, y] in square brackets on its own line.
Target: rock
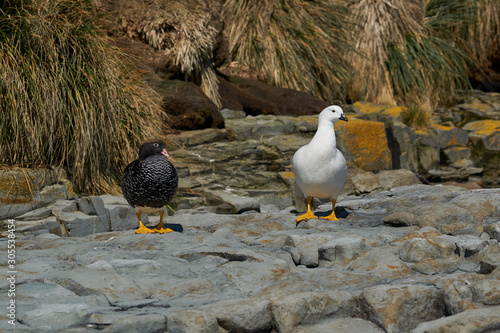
[385, 264]
[119, 322]
[441, 216]
[188, 107]
[417, 249]
[486, 292]
[428, 158]
[403, 144]
[37, 227]
[304, 248]
[477, 320]
[485, 131]
[23, 190]
[364, 143]
[191, 321]
[480, 105]
[373, 109]
[194, 137]
[238, 203]
[451, 136]
[291, 310]
[57, 316]
[251, 277]
[257, 272]
[400, 308]
[437, 266]
[243, 315]
[365, 182]
[493, 230]
[231, 114]
[340, 326]
[87, 282]
[343, 250]
[37, 214]
[458, 157]
[256, 97]
[401, 219]
[86, 205]
[395, 178]
[484, 208]
[79, 224]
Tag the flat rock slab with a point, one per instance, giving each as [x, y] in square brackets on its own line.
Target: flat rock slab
[258, 271]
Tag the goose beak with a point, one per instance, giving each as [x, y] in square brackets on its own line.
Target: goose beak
[344, 118]
[164, 153]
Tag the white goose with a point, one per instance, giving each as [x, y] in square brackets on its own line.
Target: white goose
[320, 168]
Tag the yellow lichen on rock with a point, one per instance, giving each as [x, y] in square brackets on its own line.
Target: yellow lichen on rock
[364, 143]
[443, 127]
[368, 108]
[395, 111]
[483, 127]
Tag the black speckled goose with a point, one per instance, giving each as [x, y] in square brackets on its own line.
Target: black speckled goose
[150, 183]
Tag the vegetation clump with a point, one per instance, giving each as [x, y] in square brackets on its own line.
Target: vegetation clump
[66, 96]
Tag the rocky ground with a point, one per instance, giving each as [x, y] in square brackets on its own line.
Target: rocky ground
[417, 258]
[405, 256]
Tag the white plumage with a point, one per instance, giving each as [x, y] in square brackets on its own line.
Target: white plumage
[320, 168]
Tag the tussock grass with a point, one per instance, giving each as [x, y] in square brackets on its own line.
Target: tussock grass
[379, 23]
[417, 117]
[292, 43]
[66, 97]
[183, 32]
[482, 37]
[430, 67]
[412, 51]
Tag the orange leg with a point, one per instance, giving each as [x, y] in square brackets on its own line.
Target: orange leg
[142, 229]
[332, 216]
[309, 214]
[160, 228]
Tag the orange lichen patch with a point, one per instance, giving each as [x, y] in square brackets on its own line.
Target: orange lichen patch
[395, 111]
[287, 174]
[421, 131]
[442, 127]
[483, 127]
[370, 108]
[365, 143]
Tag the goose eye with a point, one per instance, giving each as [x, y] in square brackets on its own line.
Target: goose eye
[156, 145]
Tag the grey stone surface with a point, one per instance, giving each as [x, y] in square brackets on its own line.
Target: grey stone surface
[341, 325]
[402, 256]
[400, 308]
[258, 271]
[478, 320]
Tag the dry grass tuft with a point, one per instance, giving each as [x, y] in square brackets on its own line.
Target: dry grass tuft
[379, 23]
[183, 31]
[411, 51]
[66, 97]
[418, 117]
[482, 37]
[293, 43]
